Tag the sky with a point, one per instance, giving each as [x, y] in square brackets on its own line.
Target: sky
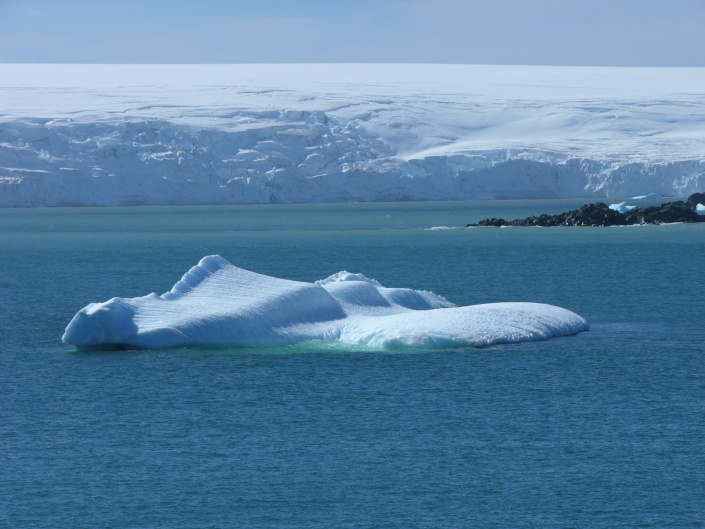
[542, 32]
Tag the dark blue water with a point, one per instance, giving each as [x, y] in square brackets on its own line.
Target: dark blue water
[602, 430]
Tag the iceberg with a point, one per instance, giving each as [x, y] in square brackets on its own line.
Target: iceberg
[216, 304]
[647, 197]
[700, 208]
[621, 207]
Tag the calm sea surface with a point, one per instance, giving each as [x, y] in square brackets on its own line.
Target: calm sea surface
[602, 430]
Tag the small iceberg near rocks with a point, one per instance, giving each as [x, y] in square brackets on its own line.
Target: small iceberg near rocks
[218, 304]
[700, 209]
[622, 207]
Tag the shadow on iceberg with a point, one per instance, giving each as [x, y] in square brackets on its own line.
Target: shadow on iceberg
[218, 304]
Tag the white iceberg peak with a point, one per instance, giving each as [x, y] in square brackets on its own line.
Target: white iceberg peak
[621, 207]
[347, 276]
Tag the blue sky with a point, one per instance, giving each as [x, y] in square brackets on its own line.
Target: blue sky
[552, 32]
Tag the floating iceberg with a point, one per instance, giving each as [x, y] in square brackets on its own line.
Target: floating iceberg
[647, 197]
[621, 207]
[218, 304]
[700, 208]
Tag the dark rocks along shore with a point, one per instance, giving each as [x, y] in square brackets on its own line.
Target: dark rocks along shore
[599, 214]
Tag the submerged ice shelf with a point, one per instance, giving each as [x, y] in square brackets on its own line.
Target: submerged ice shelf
[218, 304]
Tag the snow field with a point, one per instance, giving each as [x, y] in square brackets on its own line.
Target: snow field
[215, 134]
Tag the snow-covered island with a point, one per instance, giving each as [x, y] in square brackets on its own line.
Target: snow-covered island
[214, 134]
[218, 304]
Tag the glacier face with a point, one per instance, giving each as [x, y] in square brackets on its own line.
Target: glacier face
[218, 304]
[217, 134]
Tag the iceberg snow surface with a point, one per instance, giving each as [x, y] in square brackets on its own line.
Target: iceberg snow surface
[218, 304]
[622, 207]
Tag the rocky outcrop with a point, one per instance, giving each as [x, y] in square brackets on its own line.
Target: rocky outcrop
[695, 199]
[665, 213]
[599, 214]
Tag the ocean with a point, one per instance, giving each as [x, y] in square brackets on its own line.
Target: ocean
[600, 430]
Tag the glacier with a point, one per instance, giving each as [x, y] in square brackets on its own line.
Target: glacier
[216, 304]
[112, 135]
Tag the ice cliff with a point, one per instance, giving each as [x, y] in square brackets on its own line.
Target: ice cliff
[214, 134]
[218, 304]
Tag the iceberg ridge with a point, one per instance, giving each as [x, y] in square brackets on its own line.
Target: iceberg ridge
[218, 304]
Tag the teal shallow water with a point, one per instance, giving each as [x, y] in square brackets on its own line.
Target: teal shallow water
[603, 429]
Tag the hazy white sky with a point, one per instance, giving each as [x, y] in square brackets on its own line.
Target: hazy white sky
[551, 32]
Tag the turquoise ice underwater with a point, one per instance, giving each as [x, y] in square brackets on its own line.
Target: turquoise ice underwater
[602, 429]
